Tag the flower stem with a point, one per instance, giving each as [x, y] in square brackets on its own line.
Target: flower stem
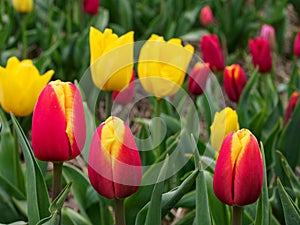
[24, 38]
[157, 133]
[119, 212]
[56, 179]
[108, 104]
[237, 215]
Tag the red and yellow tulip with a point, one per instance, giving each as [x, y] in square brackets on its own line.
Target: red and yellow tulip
[238, 176]
[58, 123]
[114, 167]
[291, 106]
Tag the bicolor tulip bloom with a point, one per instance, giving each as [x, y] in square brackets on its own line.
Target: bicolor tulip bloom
[163, 65]
[268, 33]
[20, 86]
[58, 123]
[291, 106]
[91, 6]
[198, 78]
[23, 6]
[261, 54]
[114, 167]
[111, 59]
[224, 122]
[212, 52]
[206, 16]
[234, 80]
[297, 44]
[125, 96]
[238, 176]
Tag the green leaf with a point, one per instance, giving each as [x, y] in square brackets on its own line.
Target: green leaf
[290, 210]
[37, 194]
[70, 217]
[58, 202]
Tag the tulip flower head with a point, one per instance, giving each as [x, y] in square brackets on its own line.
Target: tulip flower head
[234, 81]
[23, 6]
[297, 45]
[291, 106]
[20, 86]
[58, 123]
[198, 78]
[162, 65]
[212, 52]
[224, 122]
[238, 176]
[268, 33]
[206, 16]
[91, 6]
[111, 59]
[125, 96]
[261, 54]
[114, 167]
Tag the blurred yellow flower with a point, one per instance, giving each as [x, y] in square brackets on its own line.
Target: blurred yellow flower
[23, 6]
[111, 59]
[225, 121]
[20, 86]
[162, 65]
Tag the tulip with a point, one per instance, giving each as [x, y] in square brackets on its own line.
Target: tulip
[291, 106]
[111, 59]
[91, 6]
[114, 165]
[238, 176]
[20, 86]
[261, 54]
[127, 95]
[212, 52]
[234, 81]
[23, 6]
[206, 16]
[58, 123]
[198, 78]
[297, 44]
[268, 33]
[224, 122]
[162, 65]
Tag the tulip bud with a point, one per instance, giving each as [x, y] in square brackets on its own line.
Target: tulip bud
[234, 81]
[58, 123]
[198, 77]
[114, 167]
[261, 54]
[127, 94]
[20, 86]
[91, 6]
[238, 176]
[291, 106]
[297, 44]
[224, 122]
[212, 52]
[23, 6]
[268, 33]
[206, 16]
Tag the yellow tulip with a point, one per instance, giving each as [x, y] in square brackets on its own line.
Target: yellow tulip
[111, 59]
[225, 121]
[20, 86]
[23, 6]
[162, 65]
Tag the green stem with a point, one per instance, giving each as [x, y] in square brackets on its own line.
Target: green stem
[119, 212]
[157, 134]
[24, 38]
[237, 215]
[108, 104]
[56, 179]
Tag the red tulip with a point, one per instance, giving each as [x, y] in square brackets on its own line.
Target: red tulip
[212, 52]
[297, 44]
[238, 177]
[291, 106]
[261, 54]
[58, 123]
[234, 81]
[206, 16]
[91, 6]
[198, 77]
[125, 96]
[114, 166]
